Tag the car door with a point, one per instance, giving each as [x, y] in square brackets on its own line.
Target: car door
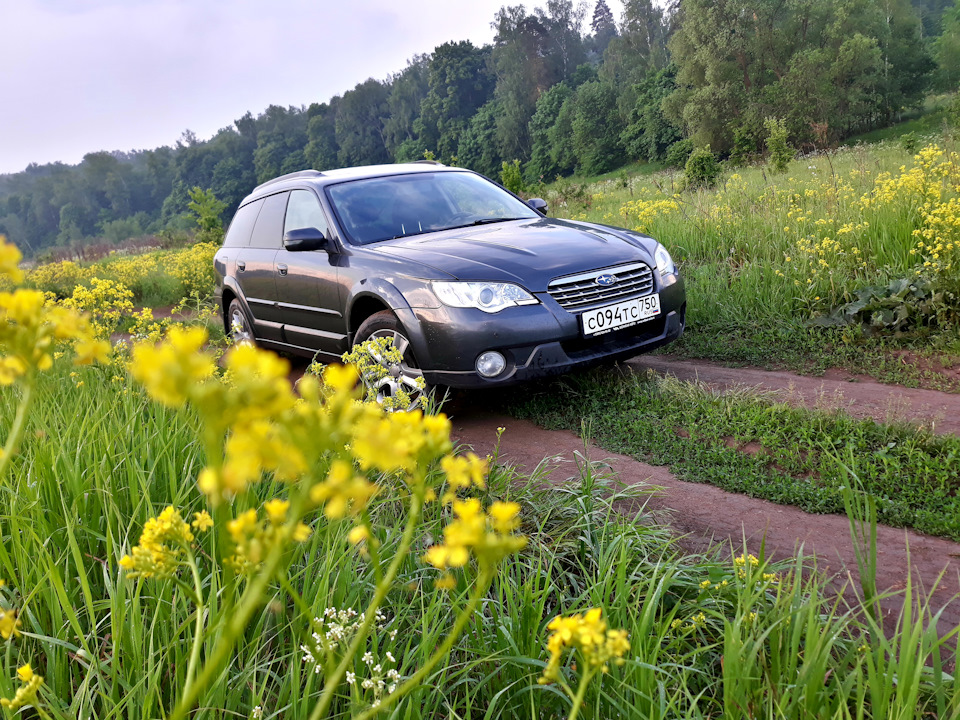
[256, 268]
[307, 283]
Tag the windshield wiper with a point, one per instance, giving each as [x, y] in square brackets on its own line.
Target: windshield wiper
[487, 221]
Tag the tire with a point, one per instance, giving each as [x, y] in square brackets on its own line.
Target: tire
[403, 376]
[239, 327]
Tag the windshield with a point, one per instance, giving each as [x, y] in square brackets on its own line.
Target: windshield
[396, 206]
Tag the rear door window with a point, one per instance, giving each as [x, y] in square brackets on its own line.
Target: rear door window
[304, 211]
[268, 232]
[241, 227]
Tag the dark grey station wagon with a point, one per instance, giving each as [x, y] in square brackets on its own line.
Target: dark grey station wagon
[476, 287]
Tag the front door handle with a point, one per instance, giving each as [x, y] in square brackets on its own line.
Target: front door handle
[241, 266]
[281, 268]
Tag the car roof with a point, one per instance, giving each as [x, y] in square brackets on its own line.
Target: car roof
[328, 177]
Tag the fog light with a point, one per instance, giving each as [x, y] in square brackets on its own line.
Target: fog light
[491, 363]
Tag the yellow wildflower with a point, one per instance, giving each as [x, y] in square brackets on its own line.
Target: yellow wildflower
[26, 693]
[587, 634]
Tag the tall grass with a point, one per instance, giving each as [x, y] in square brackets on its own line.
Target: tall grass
[99, 459]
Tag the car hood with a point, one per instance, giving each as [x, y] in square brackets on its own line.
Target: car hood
[528, 252]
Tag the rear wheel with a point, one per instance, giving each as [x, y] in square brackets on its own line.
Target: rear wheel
[405, 375]
[239, 326]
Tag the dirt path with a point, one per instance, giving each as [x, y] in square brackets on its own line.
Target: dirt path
[704, 514]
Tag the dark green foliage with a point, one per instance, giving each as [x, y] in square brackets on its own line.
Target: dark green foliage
[603, 26]
[744, 147]
[702, 169]
[679, 152]
[542, 165]
[947, 49]
[650, 134]
[596, 129]
[780, 152]
[460, 83]
[902, 305]
[848, 66]
[563, 153]
[511, 178]
[478, 149]
[359, 125]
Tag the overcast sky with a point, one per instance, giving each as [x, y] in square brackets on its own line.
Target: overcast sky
[87, 75]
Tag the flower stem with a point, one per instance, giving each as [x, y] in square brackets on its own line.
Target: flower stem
[19, 425]
[332, 681]
[198, 630]
[483, 583]
[581, 693]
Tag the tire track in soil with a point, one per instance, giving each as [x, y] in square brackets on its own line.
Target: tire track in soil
[705, 515]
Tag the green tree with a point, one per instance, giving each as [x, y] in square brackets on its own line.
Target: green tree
[542, 165]
[408, 89]
[596, 129]
[460, 83]
[603, 26]
[649, 133]
[478, 148]
[947, 49]
[207, 213]
[359, 124]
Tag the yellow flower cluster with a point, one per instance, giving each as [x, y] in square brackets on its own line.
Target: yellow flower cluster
[193, 267]
[30, 328]
[26, 693]
[486, 535]
[588, 634]
[642, 212]
[162, 544]
[253, 536]
[105, 301]
[9, 621]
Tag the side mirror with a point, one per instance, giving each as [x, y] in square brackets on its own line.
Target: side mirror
[539, 205]
[304, 239]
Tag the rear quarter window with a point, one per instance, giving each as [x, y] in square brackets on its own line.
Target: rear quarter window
[241, 227]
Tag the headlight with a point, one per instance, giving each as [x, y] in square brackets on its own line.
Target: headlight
[489, 297]
[664, 262]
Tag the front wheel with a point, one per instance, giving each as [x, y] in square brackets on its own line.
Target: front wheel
[405, 375]
[240, 329]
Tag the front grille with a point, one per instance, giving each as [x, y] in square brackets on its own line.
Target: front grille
[577, 292]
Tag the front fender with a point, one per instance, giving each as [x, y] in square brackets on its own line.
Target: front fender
[388, 294]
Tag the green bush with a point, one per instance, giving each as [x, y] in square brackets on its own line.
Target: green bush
[679, 152]
[511, 177]
[702, 169]
[780, 151]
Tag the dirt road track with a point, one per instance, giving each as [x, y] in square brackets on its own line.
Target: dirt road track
[858, 396]
[705, 514]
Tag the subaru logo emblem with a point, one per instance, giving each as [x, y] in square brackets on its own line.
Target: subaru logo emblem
[606, 280]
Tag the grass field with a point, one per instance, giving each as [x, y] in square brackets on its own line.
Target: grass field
[183, 535]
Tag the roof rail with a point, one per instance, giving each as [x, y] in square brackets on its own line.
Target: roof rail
[291, 176]
[427, 162]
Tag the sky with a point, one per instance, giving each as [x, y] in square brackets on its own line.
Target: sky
[86, 75]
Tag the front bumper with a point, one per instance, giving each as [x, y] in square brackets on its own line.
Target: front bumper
[537, 340]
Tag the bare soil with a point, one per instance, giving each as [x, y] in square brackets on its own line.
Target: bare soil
[705, 515]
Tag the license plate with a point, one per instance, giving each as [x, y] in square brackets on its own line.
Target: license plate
[621, 315]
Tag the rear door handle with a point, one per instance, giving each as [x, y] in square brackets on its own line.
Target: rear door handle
[281, 268]
[241, 265]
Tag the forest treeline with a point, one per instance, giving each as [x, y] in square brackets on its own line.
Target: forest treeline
[563, 89]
